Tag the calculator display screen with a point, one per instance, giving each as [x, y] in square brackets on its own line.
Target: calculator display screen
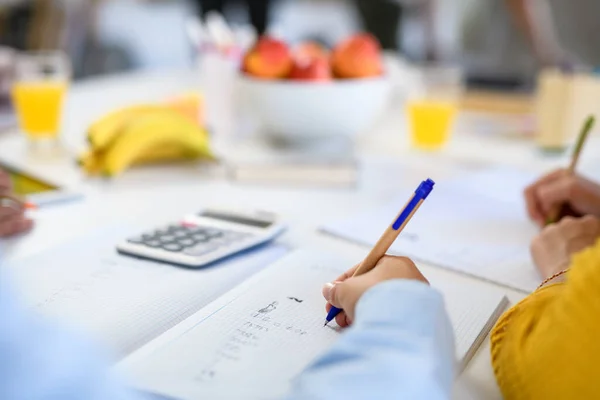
[237, 219]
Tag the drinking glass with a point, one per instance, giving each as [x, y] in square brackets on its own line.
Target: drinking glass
[38, 92]
[432, 106]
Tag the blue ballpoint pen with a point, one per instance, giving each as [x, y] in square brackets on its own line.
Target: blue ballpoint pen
[389, 236]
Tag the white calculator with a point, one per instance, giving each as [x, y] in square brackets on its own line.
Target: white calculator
[205, 237]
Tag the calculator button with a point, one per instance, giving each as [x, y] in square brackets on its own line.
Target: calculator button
[166, 238]
[199, 237]
[180, 233]
[213, 233]
[152, 243]
[186, 242]
[195, 229]
[172, 247]
[201, 249]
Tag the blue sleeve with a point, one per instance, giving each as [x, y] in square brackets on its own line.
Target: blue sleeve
[40, 361]
[401, 346]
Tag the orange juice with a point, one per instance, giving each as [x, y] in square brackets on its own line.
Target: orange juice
[430, 122]
[39, 105]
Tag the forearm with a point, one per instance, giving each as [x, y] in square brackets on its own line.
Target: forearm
[523, 20]
[400, 346]
[534, 22]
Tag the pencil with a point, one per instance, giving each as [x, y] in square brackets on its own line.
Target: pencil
[389, 236]
[583, 134]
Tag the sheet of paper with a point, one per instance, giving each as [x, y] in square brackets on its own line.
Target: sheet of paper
[123, 301]
[253, 341]
[476, 225]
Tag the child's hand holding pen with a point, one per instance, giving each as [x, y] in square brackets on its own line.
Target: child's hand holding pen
[345, 292]
[12, 210]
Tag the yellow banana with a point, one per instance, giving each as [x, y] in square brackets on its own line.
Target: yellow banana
[91, 162]
[162, 153]
[168, 131]
[102, 132]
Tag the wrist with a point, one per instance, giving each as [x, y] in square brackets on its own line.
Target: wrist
[558, 277]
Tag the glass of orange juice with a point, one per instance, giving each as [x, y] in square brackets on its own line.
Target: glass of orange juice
[38, 92]
[432, 106]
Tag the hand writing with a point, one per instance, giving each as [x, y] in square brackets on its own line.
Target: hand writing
[346, 290]
[559, 188]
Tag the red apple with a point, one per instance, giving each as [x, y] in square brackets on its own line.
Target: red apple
[359, 56]
[309, 50]
[269, 58]
[311, 69]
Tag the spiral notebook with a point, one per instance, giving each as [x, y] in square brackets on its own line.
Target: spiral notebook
[253, 341]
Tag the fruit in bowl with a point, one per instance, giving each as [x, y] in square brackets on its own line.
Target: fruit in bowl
[357, 57]
[268, 59]
[325, 93]
[311, 69]
[311, 63]
[307, 50]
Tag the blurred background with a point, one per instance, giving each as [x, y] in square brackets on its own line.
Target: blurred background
[106, 36]
[440, 59]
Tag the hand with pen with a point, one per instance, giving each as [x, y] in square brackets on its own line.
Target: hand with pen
[573, 228]
[570, 193]
[12, 211]
[346, 290]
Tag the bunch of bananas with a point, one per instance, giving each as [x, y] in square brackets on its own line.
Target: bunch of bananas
[143, 134]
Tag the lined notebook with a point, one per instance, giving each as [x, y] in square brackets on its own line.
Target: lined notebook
[253, 341]
[125, 302]
[476, 225]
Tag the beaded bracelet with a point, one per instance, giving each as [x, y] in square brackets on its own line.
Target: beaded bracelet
[556, 275]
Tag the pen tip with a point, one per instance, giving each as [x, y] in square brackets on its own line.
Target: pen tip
[325, 324]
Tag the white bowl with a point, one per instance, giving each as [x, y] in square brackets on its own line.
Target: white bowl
[304, 110]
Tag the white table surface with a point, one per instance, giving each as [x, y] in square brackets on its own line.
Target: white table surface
[159, 194]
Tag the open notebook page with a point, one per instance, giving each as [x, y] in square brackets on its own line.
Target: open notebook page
[123, 301]
[476, 225]
[253, 341]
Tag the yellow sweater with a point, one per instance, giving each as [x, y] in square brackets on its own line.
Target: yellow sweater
[548, 345]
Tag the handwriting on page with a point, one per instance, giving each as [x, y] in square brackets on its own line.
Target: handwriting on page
[260, 339]
[248, 335]
[253, 342]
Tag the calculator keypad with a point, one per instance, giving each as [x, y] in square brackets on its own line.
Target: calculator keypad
[191, 240]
